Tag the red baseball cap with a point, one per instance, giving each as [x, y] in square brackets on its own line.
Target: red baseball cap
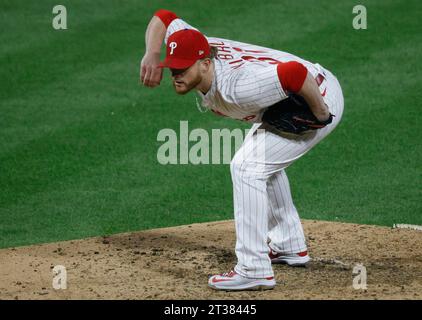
[184, 48]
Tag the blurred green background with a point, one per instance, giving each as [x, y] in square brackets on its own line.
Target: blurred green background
[78, 134]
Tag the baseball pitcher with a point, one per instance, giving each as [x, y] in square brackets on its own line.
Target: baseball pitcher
[292, 105]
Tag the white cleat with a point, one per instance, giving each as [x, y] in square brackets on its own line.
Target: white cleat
[292, 259]
[233, 281]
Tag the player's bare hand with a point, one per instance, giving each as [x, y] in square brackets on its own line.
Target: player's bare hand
[150, 73]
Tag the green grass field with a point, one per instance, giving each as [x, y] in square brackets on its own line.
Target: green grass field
[78, 139]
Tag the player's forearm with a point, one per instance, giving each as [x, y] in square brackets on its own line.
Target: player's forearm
[310, 92]
[154, 36]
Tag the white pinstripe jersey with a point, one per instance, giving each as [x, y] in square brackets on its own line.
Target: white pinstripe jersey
[246, 79]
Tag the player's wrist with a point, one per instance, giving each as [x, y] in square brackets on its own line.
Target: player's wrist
[153, 53]
[327, 120]
[323, 114]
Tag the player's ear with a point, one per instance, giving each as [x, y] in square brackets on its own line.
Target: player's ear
[205, 65]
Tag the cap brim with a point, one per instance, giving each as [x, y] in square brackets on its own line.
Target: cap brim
[175, 63]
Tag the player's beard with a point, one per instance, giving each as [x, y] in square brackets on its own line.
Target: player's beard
[185, 85]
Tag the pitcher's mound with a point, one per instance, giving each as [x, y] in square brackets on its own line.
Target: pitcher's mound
[174, 263]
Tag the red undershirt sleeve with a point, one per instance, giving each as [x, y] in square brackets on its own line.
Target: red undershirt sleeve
[292, 75]
[165, 16]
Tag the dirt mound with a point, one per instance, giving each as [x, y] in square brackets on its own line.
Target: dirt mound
[174, 263]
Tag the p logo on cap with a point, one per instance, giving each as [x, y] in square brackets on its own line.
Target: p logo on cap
[172, 46]
[191, 46]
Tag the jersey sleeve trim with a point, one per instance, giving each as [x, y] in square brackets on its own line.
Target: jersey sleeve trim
[166, 16]
[292, 75]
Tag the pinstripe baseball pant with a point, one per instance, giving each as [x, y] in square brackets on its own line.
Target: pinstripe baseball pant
[263, 205]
